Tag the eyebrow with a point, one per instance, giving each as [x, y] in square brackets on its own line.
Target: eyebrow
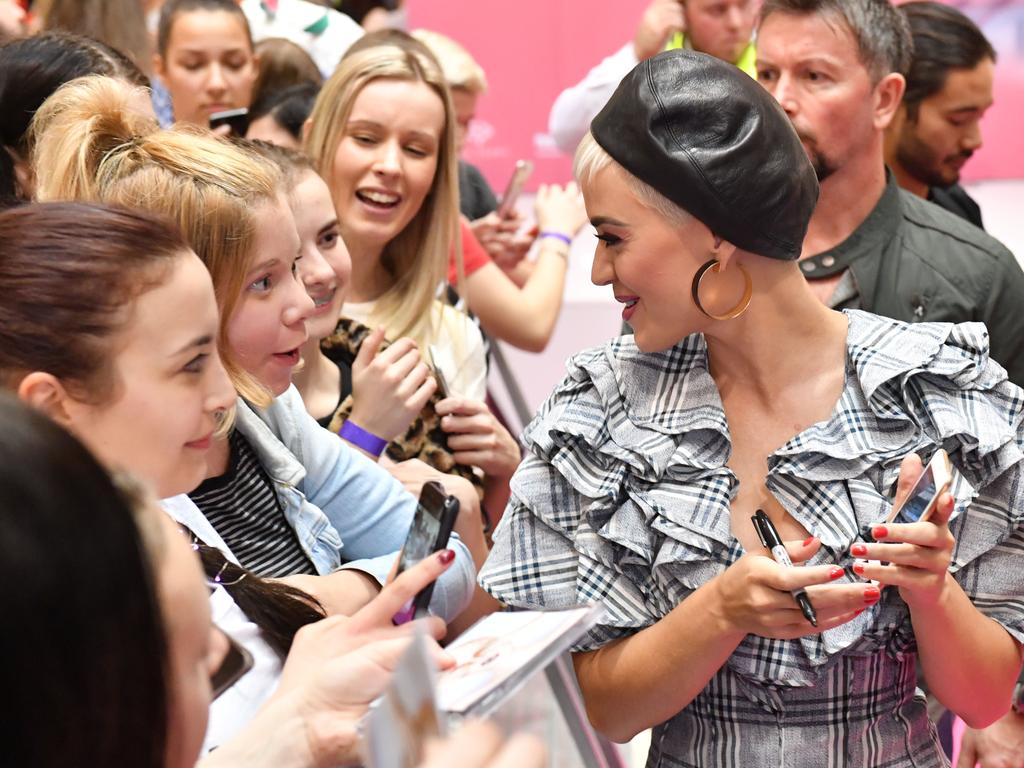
[262, 267]
[200, 341]
[329, 225]
[597, 221]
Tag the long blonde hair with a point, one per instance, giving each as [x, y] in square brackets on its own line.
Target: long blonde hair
[91, 146]
[417, 258]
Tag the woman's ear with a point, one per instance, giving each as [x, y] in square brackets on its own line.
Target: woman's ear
[306, 128]
[44, 392]
[722, 250]
[158, 65]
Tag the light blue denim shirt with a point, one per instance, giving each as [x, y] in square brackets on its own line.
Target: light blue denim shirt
[347, 511]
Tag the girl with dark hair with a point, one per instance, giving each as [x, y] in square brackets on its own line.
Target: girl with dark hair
[31, 69]
[205, 58]
[278, 116]
[111, 330]
[83, 651]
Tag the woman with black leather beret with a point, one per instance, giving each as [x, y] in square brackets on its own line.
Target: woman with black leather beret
[739, 391]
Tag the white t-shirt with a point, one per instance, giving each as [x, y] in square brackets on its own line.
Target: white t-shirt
[459, 351]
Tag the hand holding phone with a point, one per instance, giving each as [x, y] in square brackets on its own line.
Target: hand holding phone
[924, 495]
[237, 121]
[893, 560]
[514, 188]
[431, 528]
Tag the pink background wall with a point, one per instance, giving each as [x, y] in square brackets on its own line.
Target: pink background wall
[532, 49]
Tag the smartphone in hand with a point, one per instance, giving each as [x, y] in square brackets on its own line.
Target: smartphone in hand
[431, 528]
[236, 119]
[514, 188]
[933, 482]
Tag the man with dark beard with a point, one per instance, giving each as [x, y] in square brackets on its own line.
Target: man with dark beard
[949, 89]
[837, 69]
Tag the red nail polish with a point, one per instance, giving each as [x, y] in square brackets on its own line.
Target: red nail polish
[836, 573]
[871, 594]
[858, 612]
[879, 532]
[446, 556]
[858, 550]
[858, 568]
[808, 541]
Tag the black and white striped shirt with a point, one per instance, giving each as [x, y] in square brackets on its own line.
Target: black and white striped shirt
[244, 509]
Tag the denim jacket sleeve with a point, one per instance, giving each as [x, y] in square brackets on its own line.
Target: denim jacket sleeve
[370, 510]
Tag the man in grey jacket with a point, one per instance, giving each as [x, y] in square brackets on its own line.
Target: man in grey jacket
[837, 68]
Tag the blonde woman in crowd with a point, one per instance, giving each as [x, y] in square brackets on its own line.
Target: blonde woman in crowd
[382, 135]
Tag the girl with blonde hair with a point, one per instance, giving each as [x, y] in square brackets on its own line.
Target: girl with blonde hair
[282, 496]
[382, 135]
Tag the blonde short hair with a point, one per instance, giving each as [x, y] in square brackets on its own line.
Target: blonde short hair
[591, 159]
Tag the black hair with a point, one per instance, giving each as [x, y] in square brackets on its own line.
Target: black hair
[83, 647]
[944, 39]
[172, 8]
[290, 108]
[31, 69]
[276, 608]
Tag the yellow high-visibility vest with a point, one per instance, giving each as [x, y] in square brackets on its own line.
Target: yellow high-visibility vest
[746, 61]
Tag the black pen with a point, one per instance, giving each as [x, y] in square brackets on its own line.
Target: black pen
[773, 543]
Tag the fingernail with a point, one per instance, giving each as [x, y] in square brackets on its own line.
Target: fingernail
[858, 568]
[808, 541]
[446, 556]
[836, 573]
[879, 532]
[858, 550]
[858, 612]
[871, 595]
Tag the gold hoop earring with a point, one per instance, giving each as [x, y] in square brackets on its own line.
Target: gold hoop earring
[714, 266]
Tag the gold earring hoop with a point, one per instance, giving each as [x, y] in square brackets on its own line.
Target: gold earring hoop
[748, 291]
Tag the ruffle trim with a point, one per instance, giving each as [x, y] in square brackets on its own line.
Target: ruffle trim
[644, 441]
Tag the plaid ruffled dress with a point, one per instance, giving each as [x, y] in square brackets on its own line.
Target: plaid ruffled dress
[624, 498]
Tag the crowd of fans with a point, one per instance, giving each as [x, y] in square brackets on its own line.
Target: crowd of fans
[250, 291]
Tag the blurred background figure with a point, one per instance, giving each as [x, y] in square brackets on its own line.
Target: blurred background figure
[719, 28]
[949, 89]
[121, 24]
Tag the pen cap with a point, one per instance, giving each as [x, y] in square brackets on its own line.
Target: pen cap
[759, 527]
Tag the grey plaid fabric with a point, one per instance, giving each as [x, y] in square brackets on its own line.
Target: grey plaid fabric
[624, 498]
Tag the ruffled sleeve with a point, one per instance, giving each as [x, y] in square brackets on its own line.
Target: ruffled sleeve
[623, 497]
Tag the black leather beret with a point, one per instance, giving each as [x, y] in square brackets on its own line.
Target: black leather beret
[713, 141]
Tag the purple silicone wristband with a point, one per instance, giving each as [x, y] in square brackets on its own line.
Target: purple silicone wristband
[558, 236]
[358, 436]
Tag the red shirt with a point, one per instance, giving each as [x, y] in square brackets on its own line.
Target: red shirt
[474, 255]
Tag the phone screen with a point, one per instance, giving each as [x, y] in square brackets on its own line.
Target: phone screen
[921, 497]
[422, 538]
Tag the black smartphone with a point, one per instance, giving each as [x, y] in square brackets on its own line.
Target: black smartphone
[430, 531]
[236, 119]
[237, 661]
